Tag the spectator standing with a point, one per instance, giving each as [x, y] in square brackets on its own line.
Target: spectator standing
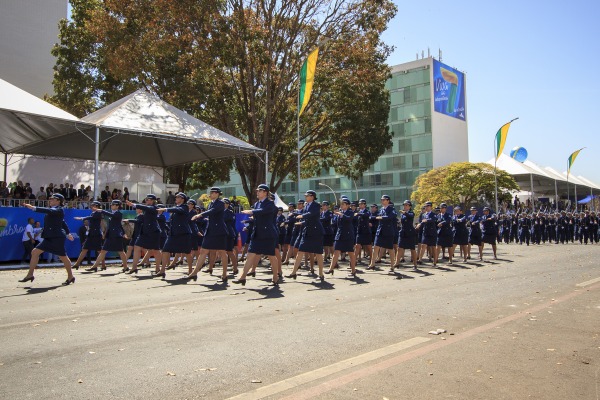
[170, 198]
[81, 193]
[105, 194]
[125, 194]
[41, 193]
[28, 240]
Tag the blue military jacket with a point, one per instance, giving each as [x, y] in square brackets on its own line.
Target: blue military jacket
[326, 222]
[446, 220]
[216, 223]
[388, 222]
[407, 222]
[311, 220]
[115, 229]
[54, 222]
[180, 220]
[345, 230]
[150, 223]
[95, 223]
[263, 213]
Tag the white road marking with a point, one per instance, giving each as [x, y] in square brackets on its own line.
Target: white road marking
[588, 283]
[319, 373]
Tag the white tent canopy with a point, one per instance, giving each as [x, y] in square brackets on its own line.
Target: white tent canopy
[544, 181]
[138, 129]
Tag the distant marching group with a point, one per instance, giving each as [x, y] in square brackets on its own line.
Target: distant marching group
[311, 232]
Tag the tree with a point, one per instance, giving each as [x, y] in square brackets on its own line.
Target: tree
[471, 180]
[235, 64]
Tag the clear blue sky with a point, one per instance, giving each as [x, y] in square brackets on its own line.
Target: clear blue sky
[529, 59]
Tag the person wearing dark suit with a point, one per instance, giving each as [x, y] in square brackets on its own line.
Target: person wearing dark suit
[82, 233]
[474, 221]
[55, 232]
[149, 238]
[264, 235]
[312, 233]
[363, 230]
[407, 239]
[328, 238]
[113, 240]
[489, 229]
[93, 242]
[215, 237]
[444, 233]
[428, 226]
[344, 237]
[460, 233]
[81, 193]
[384, 238]
[179, 240]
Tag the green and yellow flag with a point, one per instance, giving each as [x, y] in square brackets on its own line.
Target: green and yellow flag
[307, 78]
[501, 137]
[571, 160]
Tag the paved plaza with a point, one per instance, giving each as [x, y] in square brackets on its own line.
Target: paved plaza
[526, 326]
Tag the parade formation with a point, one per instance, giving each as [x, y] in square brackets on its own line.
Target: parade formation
[311, 233]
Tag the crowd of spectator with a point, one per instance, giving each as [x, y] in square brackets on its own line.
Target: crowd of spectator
[12, 195]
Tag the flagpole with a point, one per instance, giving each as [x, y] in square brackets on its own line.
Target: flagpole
[495, 175]
[298, 144]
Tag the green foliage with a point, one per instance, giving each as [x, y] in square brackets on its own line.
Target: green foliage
[235, 64]
[474, 181]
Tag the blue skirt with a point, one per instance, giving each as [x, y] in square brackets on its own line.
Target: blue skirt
[54, 245]
[113, 243]
[313, 244]
[407, 242]
[475, 238]
[262, 246]
[461, 238]
[199, 240]
[149, 241]
[163, 240]
[364, 239]
[429, 240]
[445, 241]
[178, 244]
[218, 242]
[328, 240]
[93, 242]
[193, 242]
[385, 242]
[230, 243]
[344, 245]
[491, 239]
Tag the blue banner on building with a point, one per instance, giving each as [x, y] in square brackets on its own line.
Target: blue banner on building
[449, 91]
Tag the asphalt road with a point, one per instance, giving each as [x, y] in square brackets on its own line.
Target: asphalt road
[526, 326]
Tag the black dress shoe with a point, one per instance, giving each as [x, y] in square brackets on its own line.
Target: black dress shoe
[191, 278]
[224, 279]
[329, 272]
[75, 267]
[26, 279]
[133, 271]
[252, 274]
[93, 269]
[240, 282]
[103, 269]
[322, 278]
[293, 276]
[69, 281]
[125, 269]
[274, 283]
[163, 275]
[172, 266]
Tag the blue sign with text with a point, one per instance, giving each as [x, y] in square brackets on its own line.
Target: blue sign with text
[449, 91]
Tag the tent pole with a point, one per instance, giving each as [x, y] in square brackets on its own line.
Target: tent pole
[532, 201]
[5, 167]
[266, 167]
[96, 157]
[576, 205]
[555, 196]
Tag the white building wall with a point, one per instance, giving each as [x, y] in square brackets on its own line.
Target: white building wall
[28, 31]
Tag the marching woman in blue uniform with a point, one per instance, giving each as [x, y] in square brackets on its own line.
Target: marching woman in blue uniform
[474, 221]
[164, 232]
[428, 227]
[179, 240]
[264, 235]
[229, 217]
[215, 237]
[297, 234]
[460, 233]
[114, 236]
[363, 231]
[290, 222]
[444, 233]
[326, 222]
[281, 227]
[54, 233]
[384, 239]
[344, 237]
[194, 238]
[408, 238]
[149, 237]
[137, 222]
[489, 229]
[311, 236]
[94, 237]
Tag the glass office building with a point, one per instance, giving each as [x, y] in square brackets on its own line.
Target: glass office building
[429, 125]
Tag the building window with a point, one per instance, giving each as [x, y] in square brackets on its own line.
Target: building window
[415, 161]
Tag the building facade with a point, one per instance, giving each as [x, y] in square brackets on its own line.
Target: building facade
[28, 31]
[429, 124]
